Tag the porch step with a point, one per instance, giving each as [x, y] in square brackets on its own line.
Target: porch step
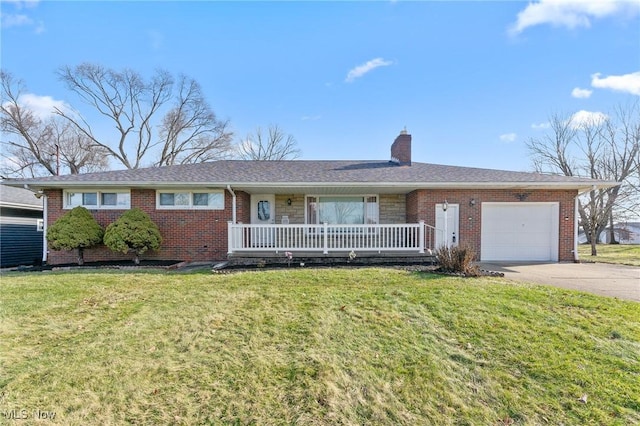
[260, 260]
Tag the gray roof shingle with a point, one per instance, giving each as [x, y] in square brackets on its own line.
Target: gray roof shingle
[10, 196]
[307, 172]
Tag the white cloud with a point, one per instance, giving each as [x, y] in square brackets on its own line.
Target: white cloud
[40, 27]
[41, 106]
[629, 83]
[15, 20]
[156, 38]
[571, 13]
[581, 93]
[9, 20]
[19, 4]
[311, 117]
[361, 70]
[540, 126]
[587, 118]
[508, 137]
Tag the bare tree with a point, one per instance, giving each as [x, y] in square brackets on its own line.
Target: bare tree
[36, 146]
[620, 162]
[604, 148]
[189, 132]
[274, 145]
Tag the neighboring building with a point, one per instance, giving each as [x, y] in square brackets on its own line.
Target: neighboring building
[21, 227]
[625, 233]
[213, 210]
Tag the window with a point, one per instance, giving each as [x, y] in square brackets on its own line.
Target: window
[98, 199]
[212, 200]
[264, 210]
[343, 210]
[174, 199]
[115, 199]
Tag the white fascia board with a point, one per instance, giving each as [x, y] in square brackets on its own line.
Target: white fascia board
[580, 186]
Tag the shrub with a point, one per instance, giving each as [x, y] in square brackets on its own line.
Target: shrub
[133, 232]
[75, 230]
[458, 260]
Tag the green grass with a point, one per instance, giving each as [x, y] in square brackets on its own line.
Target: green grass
[314, 347]
[624, 254]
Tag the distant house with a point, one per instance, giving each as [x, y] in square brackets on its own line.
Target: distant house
[21, 227]
[625, 233]
[231, 208]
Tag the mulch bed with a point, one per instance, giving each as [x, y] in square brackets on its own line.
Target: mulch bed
[121, 264]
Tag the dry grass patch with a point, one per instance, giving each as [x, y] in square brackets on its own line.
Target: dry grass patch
[314, 347]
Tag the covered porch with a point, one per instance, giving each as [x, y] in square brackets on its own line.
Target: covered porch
[405, 239]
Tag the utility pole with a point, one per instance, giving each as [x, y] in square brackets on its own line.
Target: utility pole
[57, 160]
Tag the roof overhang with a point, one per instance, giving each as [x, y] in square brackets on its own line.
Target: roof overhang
[21, 206]
[319, 187]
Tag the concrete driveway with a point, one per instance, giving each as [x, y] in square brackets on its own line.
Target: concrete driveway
[598, 278]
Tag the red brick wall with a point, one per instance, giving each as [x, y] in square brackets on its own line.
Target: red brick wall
[191, 235]
[421, 206]
[201, 235]
[243, 208]
[401, 148]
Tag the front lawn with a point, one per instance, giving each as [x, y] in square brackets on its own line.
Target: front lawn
[623, 254]
[313, 347]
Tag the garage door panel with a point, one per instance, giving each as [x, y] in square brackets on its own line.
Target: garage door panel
[519, 232]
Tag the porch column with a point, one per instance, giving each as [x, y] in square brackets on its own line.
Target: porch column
[421, 237]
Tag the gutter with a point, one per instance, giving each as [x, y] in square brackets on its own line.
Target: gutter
[233, 204]
[68, 184]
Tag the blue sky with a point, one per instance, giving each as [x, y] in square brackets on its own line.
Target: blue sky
[471, 81]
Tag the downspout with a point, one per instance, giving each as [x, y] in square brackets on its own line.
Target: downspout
[45, 202]
[40, 195]
[576, 256]
[233, 204]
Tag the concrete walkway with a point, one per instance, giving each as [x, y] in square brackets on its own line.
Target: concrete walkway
[602, 279]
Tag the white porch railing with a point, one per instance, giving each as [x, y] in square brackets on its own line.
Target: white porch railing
[326, 238]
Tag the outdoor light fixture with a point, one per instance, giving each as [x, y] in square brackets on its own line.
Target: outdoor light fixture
[288, 201]
[472, 202]
[445, 206]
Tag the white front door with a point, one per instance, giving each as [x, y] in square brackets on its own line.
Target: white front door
[450, 228]
[263, 212]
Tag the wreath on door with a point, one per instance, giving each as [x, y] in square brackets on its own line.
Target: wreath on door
[264, 210]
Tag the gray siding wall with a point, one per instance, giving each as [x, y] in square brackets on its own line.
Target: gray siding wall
[20, 240]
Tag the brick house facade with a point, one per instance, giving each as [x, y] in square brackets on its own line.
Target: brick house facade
[403, 192]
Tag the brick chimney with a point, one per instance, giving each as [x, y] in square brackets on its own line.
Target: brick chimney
[401, 148]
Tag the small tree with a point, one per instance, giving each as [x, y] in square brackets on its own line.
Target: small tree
[133, 232]
[75, 230]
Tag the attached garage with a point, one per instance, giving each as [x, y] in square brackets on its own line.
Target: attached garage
[519, 232]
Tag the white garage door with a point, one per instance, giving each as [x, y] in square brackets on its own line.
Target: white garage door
[519, 232]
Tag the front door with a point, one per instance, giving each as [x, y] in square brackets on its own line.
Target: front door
[263, 213]
[450, 228]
